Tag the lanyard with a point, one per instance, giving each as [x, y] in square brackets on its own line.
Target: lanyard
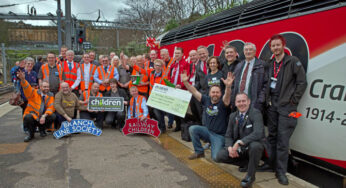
[276, 72]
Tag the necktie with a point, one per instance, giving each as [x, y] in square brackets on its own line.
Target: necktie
[205, 68]
[241, 120]
[134, 108]
[43, 104]
[106, 69]
[70, 66]
[243, 79]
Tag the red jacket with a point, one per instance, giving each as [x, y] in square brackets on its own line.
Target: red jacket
[183, 66]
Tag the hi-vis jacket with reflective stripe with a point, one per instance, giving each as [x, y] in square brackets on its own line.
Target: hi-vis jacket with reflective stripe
[35, 105]
[156, 80]
[70, 75]
[86, 95]
[105, 75]
[91, 75]
[45, 71]
[139, 110]
[144, 78]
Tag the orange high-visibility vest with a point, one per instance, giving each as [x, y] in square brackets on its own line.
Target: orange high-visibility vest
[35, 105]
[70, 76]
[146, 66]
[45, 71]
[144, 78]
[91, 76]
[168, 67]
[86, 95]
[139, 109]
[156, 80]
[105, 75]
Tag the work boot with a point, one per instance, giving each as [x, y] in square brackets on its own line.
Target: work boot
[196, 156]
[43, 133]
[28, 138]
[177, 127]
[242, 168]
[247, 181]
[264, 168]
[282, 178]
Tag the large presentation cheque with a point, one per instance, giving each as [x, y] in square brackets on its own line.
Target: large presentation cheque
[168, 99]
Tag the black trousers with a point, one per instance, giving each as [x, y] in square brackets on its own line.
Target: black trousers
[118, 117]
[60, 118]
[160, 117]
[30, 123]
[280, 128]
[251, 157]
[196, 108]
[91, 115]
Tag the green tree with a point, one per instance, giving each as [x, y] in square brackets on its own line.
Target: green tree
[172, 23]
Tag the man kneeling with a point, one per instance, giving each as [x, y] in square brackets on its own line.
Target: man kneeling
[40, 109]
[215, 112]
[243, 139]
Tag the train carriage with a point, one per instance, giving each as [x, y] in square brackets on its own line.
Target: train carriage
[315, 31]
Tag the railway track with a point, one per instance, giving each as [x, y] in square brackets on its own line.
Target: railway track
[5, 93]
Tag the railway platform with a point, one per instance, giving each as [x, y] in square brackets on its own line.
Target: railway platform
[111, 160]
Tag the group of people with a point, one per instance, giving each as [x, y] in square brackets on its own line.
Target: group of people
[229, 103]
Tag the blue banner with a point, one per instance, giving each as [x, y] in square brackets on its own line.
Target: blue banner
[77, 126]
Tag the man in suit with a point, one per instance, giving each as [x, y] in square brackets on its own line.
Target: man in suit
[250, 78]
[244, 139]
[201, 70]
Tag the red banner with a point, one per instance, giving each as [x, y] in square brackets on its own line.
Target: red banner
[148, 126]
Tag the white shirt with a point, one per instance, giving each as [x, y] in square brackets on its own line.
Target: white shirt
[86, 76]
[72, 64]
[248, 77]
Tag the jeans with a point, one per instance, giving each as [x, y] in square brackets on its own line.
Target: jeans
[198, 132]
[160, 117]
[170, 118]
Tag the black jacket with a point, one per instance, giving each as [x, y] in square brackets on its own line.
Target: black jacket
[293, 81]
[251, 130]
[229, 68]
[201, 83]
[122, 93]
[258, 84]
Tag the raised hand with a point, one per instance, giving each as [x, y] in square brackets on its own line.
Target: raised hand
[21, 75]
[184, 77]
[229, 80]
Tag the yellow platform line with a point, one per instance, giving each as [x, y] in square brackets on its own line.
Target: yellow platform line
[211, 173]
[12, 148]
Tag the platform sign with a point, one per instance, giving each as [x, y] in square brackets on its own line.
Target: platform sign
[168, 99]
[106, 103]
[77, 126]
[147, 126]
[87, 45]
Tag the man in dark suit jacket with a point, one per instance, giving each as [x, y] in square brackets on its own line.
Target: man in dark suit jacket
[244, 139]
[250, 78]
[201, 83]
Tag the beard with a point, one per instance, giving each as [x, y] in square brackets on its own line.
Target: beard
[215, 99]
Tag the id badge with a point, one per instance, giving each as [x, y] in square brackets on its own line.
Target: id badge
[56, 73]
[273, 82]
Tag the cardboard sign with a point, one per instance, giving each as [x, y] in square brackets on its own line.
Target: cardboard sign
[135, 125]
[168, 99]
[77, 126]
[106, 103]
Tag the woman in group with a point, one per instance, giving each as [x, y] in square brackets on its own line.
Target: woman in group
[215, 74]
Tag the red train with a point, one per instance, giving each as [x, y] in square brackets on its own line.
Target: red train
[316, 33]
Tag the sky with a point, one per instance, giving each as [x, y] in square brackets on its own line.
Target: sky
[82, 9]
